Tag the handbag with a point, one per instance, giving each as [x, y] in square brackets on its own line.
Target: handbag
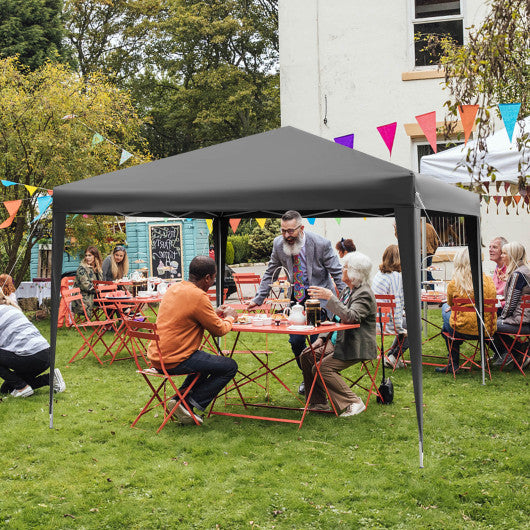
[385, 395]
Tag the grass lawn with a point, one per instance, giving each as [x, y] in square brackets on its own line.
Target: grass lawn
[93, 471]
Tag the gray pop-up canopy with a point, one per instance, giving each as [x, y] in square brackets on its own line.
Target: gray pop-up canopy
[263, 176]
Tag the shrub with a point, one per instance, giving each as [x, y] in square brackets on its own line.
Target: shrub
[261, 240]
[241, 248]
[229, 253]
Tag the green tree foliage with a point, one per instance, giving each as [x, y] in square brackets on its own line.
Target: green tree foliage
[39, 147]
[114, 37]
[241, 248]
[261, 239]
[229, 253]
[493, 67]
[31, 30]
[202, 71]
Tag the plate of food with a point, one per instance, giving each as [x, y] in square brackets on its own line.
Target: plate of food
[296, 327]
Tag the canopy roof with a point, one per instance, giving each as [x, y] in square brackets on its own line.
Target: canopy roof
[267, 174]
[449, 165]
[264, 175]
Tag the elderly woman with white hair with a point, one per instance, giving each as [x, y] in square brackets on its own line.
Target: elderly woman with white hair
[355, 304]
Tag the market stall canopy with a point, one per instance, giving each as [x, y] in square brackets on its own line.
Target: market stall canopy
[269, 172]
[449, 165]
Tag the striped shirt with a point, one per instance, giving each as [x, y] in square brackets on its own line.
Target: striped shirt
[17, 334]
[391, 283]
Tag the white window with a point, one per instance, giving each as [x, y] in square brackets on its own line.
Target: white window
[439, 17]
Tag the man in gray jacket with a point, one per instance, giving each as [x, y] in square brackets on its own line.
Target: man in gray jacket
[309, 259]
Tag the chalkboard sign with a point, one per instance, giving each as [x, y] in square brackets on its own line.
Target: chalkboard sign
[165, 247]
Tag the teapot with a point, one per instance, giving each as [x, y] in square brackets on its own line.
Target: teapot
[295, 314]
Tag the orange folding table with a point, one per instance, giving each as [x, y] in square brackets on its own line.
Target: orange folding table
[263, 369]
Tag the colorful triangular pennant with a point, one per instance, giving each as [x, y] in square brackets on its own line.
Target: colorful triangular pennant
[97, 139]
[234, 223]
[125, 155]
[346, 140]
[338, 219]
[43, 203]
[261, 222]
[12, 208]
[467, 117]
[311, 220]
[388, 133]
[209, 224]
[509, 113]
[31, 189]
[8, 183]
[427, 123]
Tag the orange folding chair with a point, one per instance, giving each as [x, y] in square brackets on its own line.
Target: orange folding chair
[466, 305]
[91, 331]
[366, 377]
[518, 342]
[162, 385]
[249, 279]
[386, 308]
[63, 320]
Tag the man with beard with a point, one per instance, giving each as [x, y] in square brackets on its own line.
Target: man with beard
[306, 256]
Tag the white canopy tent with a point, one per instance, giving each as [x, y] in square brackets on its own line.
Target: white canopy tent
[449, 165]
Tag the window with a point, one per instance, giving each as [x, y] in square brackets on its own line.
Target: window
[450, 229]
[44, 266]
[439, 17]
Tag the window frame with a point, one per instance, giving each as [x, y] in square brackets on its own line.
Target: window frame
[427, 20]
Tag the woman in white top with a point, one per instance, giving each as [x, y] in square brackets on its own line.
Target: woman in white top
[24, 353]
[388, 281]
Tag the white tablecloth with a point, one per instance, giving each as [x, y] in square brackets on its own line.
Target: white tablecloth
[39, 290]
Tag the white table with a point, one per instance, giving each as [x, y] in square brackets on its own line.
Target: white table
[39, 290]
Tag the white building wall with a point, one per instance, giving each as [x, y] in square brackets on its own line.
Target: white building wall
[341, 61]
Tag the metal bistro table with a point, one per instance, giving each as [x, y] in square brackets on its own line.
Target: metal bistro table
[263, 369]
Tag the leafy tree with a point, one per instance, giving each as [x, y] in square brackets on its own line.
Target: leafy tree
[31, 30]
[493, 67]
[39, 147]
[113, 37]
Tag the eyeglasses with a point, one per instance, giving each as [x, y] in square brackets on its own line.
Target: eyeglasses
[290, 231]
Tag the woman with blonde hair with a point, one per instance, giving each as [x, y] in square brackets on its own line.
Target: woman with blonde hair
[463, 325]
[116, 265]
[24, 353]
[517, 285]
[88, 271]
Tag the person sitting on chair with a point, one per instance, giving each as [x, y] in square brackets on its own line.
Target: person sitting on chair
[89, 270]
[388, 281]
[184, 313]
[116, 265]
[464, 324]
[499, 275]
[517, 285]
[355, 304]
[24, 353]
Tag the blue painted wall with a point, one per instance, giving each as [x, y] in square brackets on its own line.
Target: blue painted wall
[194, 242]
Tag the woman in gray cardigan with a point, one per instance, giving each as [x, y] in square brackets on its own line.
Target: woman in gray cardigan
[355, 304]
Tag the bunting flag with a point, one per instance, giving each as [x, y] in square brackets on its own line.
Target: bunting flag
[516, 199]
[514, 189]
[506, 187]
[7, 183]
[388, 133]
[467, 117]
[507, 202]
[509, 113]
[311, 220]
[125, 155]
[261, 222]
[486, 186]
[338, 219]
[12, 208]
[498, 185]
[346, 140]
[97, 139]
[487, 201]
[31, 189]
[427, 123]
[43, 203]
[234, 223]
[209, 224]
[497, 199]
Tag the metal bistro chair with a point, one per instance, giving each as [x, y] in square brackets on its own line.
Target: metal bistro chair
[162, 385]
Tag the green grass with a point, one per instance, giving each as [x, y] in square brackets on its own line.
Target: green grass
[93, 471]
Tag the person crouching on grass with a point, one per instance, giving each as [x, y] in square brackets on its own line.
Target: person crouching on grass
[24, 353]
[355, 304]
[184, 313]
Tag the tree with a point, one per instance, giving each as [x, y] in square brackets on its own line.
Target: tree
[202, 72]
[261, 240]
[31, 30]
[39, 147]
[492, 68]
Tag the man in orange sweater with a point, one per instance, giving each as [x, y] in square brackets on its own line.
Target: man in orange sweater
[184, 314]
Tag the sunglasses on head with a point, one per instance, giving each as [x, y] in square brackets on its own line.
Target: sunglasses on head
[118, 248]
